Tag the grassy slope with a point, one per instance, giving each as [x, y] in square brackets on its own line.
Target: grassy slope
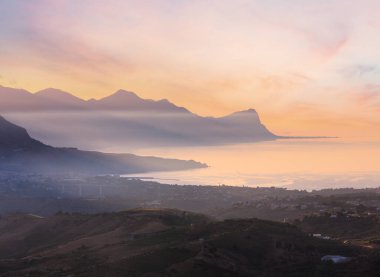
[162, 243]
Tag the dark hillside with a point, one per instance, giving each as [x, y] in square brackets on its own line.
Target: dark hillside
[163, 243]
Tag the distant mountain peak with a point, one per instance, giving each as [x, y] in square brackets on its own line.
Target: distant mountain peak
[52, 91]
[249, 116]
[165, 101]
[128, 100]
[58, 95]
[125, 92]
[248, 111]
[14, 91]
[122, 94]
[55, 99]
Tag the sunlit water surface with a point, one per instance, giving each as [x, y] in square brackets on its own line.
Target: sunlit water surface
[300, 164]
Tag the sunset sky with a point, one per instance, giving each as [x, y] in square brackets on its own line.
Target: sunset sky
[306, 66]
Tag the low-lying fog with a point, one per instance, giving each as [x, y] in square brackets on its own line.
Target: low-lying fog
[305, 164]
[110, 130]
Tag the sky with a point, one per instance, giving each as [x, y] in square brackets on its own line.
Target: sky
[308, 67]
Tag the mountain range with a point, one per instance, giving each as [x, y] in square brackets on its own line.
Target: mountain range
[21, 153]
[50, 99]
[124, 121]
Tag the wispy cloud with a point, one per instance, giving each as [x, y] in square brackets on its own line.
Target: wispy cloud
[231, 53]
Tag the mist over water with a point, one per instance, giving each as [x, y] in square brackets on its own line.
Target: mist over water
[300, 164]
[292, 163]
[113, 130]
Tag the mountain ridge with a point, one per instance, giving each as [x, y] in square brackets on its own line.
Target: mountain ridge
[55, 95]
[125, 119]
[13, 137]
[16, 100]
[21, 153]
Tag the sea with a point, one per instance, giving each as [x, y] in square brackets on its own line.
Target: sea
[305, 164]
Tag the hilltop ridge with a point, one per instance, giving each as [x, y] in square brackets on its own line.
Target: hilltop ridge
[21, 153]
[13, 137]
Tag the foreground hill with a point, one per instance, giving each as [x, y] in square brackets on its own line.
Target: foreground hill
[20, 152]
[164, 243]
[354, 229]
[124, 119]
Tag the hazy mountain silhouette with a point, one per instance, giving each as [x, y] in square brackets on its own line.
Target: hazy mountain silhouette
[20, 152]
[16, 100]
[126, 100]
[124, 119]
[58, 99]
